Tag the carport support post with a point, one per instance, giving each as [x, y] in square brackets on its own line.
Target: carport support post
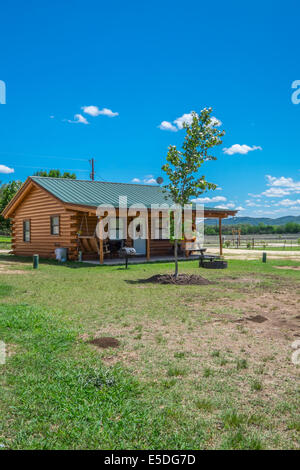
[101, 241]
[220, 236]
[148, 238]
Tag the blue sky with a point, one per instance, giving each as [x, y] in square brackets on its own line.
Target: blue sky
[97, 79]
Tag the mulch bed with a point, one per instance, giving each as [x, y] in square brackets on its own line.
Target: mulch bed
[105, 342]
[182, 279]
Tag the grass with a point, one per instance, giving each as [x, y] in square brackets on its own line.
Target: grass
[256, 386]
[241, 364]
[179, 379]
[5, 243]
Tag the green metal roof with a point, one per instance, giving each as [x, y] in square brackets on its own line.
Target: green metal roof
[94, 193]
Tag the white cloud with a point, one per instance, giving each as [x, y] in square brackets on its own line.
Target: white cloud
[215, 122]
[252, 204]
[6, 170]
[78, 118]
[185, 118]
[95, 111]
[275, 192]
[242, 149]
[254, 195]
[207, 200]
[167, 126]
[264, 212]
[226, 206]
[230, 206]
[149, 180]
[282, 182]
[288, 202]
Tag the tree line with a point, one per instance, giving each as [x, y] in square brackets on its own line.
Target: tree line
[260, 229]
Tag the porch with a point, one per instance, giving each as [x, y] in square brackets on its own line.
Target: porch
[106, 251]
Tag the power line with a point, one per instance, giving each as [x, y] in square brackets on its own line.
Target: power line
[43, 156]
[47, 168]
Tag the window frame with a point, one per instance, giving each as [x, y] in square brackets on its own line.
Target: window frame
[26, 231]
[52, 225]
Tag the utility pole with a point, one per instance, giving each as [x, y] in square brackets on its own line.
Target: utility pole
[92, 174]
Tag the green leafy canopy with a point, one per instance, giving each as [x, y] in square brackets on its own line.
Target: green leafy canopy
[182, 166]
[55, 174]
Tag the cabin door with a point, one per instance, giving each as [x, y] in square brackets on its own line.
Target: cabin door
[140, 243]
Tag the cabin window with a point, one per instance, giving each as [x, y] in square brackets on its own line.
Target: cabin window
[55, 225]
[26, 231]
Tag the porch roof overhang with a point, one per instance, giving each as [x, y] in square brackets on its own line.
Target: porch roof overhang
[208, 212]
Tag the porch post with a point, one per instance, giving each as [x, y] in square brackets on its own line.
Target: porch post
[220, 236]
[148, 238]
[101, 256]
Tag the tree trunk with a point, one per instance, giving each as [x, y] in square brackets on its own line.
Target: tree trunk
[176, 257]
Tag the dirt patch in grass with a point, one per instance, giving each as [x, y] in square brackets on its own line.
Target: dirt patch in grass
[11, 271]
[269, 315]
[294, 268]
[182, 280]
[5, 265]
[257, 319]
[105, 342]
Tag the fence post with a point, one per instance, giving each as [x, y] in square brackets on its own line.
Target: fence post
[35, 261]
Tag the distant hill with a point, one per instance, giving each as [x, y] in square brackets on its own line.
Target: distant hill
[256, 220]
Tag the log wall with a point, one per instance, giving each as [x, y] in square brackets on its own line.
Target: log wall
[38, 206]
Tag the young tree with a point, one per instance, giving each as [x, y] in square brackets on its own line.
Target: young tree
[182, 166]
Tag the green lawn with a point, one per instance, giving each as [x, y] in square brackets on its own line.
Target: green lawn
[190, 373]
[5, 243]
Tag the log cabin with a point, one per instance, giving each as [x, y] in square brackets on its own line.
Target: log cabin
[48, 213]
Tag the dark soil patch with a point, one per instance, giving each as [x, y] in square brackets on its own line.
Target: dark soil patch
[257, 319]
[182, 279]
[105, 342]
